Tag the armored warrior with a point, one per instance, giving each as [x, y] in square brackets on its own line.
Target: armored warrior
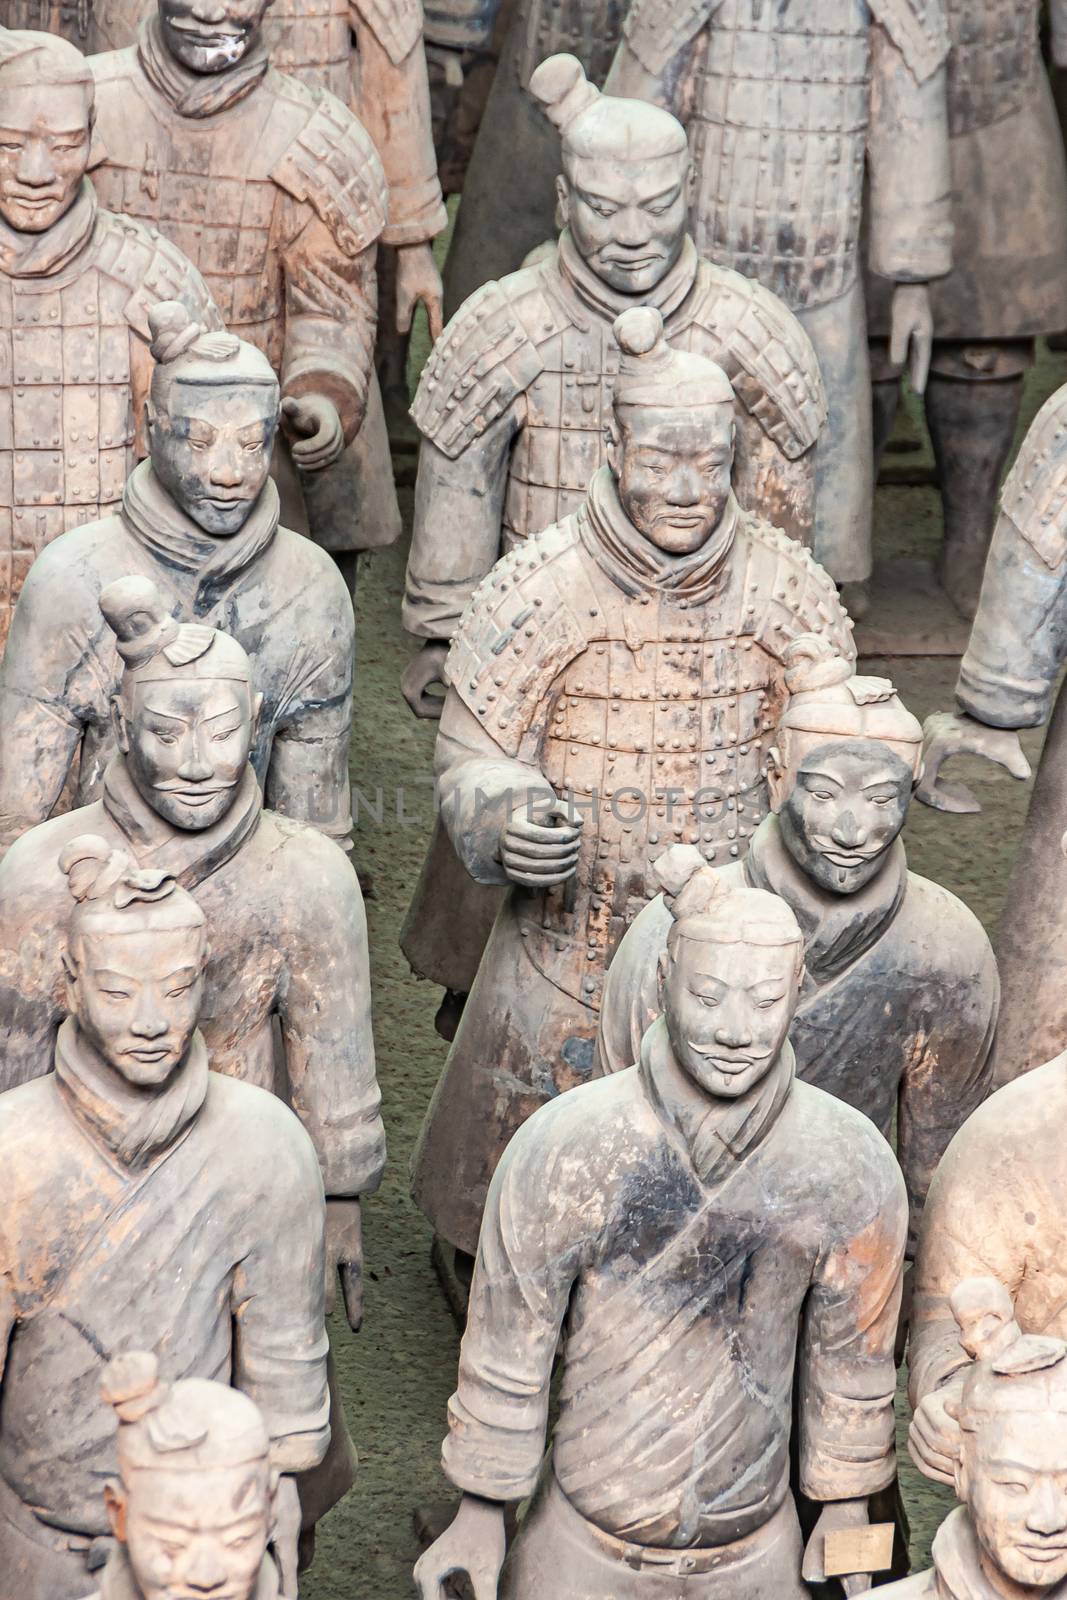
[200, 518]
[193, 1508]
[899, 1000]
[1009, 210]
[788, 106]
[627, 663]
[514, 401]
[195, 122]
[76, 287]
[707, 1233]
[149, 1202]
[1007, 681]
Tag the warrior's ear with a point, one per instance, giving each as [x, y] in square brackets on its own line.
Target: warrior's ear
[563, 201]
[115, 1504]
[118, 724]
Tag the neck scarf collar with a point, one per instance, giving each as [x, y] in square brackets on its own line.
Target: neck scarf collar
[133, 1124]
[958, 1566]
[188, 856]
[42, 255]
[718, 1133]
[671, 291]
[178, 542]
[635, 564]
[119, 1583]
[197, 94]
[838, 928]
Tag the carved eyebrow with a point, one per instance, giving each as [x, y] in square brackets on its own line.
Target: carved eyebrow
[252, 431]
[167, 716]
[889, 781]
[217, 716]
[823, 777]
[198, 424]
[664, 194]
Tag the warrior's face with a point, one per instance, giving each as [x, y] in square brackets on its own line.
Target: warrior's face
[673, 471]
[627, 217]
[186, 743]
[194, 1535]
[45, 133]
[211, 35]
[210, 446]
[135, 991]
[728, 1007]
[841, 809]
[1013, 1477]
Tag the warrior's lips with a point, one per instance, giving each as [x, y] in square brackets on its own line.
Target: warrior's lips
[1043, 1552]
[150, 1055]
[855, 858]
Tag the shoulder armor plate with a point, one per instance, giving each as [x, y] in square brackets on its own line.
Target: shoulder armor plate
[140, 259]
[334, 167]
[656, 30]
[793, 593]
[919, 30]
[396, 24]
[518, 633]
[774, 369]
[1034, 498]
[484, 359]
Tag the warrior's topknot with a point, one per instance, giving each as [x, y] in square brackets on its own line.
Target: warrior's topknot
[562, 90]
[595, 126]
[153, 644]
[652, 374]
[185, 351]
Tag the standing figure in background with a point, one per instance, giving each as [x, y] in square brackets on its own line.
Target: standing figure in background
[462, 51]
[277, 193]
[76, 287]
[613, 687]
[514, 402]
[509, 209]
[71, 19]
[1008, 282]
[790, 106]
[195, 1504]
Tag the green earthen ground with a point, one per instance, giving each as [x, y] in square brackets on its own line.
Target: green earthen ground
[397, 1374]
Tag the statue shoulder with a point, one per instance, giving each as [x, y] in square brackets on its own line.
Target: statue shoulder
[919, 29]
[520, 629]
[330, 163]
[792, 593]
[139, 258]
[396, 24]
[768, 357]
[1034, 497]
[656, 30]
[488, 355]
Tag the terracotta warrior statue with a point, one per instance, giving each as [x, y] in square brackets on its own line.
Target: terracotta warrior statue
[899, 999]
[193, 1507]
[997, 1207]
[1009, 1537]
[502, 220]
[706, 1232]
[514, 401]
[1007, 681]
[70, 18]
[76, 287]
[286, 925]
[792, 106]
[194, 122]
[200, 519]
[149, 1203]
[1009, 211]
[613, 689]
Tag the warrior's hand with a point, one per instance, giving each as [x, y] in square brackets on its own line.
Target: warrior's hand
[473, 1543]
[285, 1536]
[538, 855]
[835, 1516]
[344, 1258]
[947, 734]
[419, 677]
[911, 332]
[934, 1434]
[314, 428]
[417, 279]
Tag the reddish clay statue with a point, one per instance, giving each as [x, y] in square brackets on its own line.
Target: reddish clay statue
[514, 401]
[194, 1505]
[997, 1206]
[1009, 1538]
[1007, 681]
[1009, 210]
[789, 105]
[899, 999]
[194, 115]
[76, 286]
[706, 1233]
[200, 518]
[150, 1203]
[502, 221]
[613, 688]
[70, 18]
